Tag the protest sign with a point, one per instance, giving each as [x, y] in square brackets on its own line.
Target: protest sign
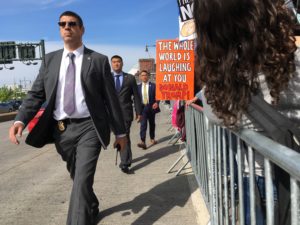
[174, 70]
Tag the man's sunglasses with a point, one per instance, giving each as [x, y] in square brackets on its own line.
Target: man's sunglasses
[70, 24]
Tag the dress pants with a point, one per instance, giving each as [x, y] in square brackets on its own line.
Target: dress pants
[147, 115]
[79, 147]
[126, 154]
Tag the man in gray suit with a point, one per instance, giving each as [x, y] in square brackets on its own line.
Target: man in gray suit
[81, 106]
[127, 90]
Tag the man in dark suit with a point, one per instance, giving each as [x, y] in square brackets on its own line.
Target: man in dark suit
[82, 105]
[126, 88]
[150, 108]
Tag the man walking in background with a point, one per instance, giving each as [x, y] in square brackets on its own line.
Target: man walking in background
[76, 84]
[150, 108]
[127, 90]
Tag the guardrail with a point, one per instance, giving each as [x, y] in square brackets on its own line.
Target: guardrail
[7, 116]
[218, 159]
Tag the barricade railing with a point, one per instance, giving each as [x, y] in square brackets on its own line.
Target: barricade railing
[218, 156]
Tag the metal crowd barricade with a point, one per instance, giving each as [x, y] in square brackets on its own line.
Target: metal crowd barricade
[217, 158]
[196, 143]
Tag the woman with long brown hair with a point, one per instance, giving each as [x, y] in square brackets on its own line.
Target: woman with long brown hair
[246, 47]
[239, 40]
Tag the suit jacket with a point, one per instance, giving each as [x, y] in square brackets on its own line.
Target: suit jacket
[128, 89]
[98, 89]
[151, 95]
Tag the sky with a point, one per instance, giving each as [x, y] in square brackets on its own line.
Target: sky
[122, 27]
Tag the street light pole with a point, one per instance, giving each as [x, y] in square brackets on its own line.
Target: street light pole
[152, 72]
[147, 49]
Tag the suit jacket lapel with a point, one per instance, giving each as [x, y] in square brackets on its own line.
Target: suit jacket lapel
[140, 90]
[86, 63]
[54, 74]
[150, 92]
[125, 79]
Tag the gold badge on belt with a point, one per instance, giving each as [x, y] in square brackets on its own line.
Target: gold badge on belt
[61, 125]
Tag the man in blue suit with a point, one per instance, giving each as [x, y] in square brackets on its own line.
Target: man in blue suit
[150, 108]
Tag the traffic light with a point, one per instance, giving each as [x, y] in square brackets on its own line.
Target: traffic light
[7, 52]
[26, 52]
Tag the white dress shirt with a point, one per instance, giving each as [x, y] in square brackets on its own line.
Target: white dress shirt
[81, 110]
[121, 77]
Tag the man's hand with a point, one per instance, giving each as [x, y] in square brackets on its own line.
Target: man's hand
[155, 105]
[138, 118]
[14, 130]
[121, 141]
[189, 102]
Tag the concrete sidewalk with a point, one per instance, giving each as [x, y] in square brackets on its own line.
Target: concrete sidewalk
[148, 195]
[35, 185]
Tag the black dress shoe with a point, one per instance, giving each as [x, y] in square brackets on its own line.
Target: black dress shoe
[95, 214]
[125, 169]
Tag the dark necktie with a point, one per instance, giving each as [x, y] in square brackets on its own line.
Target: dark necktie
[69, 89]
[118, 83]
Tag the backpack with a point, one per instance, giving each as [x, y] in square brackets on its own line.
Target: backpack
[180, 121]
[180, 117]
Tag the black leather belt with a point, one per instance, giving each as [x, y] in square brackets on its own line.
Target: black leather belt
[62, 124]
[74, 120]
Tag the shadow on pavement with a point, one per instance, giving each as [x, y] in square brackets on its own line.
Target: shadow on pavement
[158, 201]
[163, 139]
[153, 156]
[166, 138]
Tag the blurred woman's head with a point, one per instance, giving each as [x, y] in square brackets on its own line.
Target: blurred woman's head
[236, 40]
